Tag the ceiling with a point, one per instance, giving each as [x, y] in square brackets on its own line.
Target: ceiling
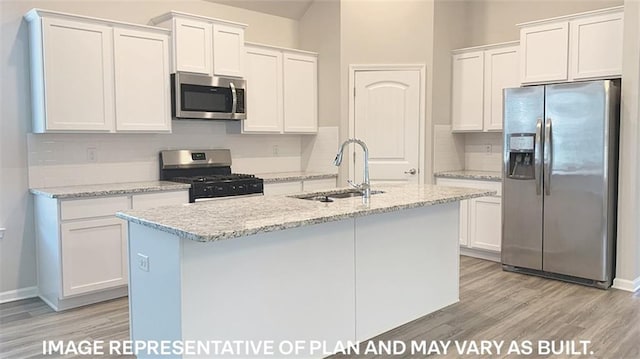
[292, 9]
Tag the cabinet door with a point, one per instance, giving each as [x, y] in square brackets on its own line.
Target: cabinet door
[94, 255]
[467, 91]
[228, 51]
[544, 51]
[264, 91]
[596, 46]
[501, 71]
[142, 84]
[78, 76]
[193, 46]
[486, 223]
[463, 226]
[300, 93]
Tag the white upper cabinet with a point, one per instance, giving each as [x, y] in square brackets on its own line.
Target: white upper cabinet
[300, 93]
[192, 46]
[264, 92]
[93, 75]
[467, 91]
[228, 50]
[282, 90]
[570, 48]
[596, 44]
[544, 52]
[71, 75]
[205, 45]
[143, 93]
[501, 71]
[479, 76]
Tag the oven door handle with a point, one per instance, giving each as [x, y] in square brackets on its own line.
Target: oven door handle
[234, 100]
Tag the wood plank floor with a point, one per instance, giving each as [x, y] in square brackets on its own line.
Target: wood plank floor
[494, 305]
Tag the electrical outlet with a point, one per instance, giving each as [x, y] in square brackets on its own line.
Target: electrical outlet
[143, 262]
[487, 149]
[2, 230]
[275, 150]
[92, 154]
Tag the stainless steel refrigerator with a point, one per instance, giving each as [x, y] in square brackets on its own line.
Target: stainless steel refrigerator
[560, 168]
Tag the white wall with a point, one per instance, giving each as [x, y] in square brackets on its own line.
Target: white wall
[57, 156]
[628, 259]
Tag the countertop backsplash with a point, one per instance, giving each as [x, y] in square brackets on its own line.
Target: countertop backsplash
[81, 159]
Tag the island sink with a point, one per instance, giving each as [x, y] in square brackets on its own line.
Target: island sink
[322, 196]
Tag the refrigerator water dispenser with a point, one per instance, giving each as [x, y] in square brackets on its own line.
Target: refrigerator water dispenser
[521, 156]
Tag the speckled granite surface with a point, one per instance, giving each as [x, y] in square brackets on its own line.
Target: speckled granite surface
[237, 217]
[109, 189]
[294, 176]
[472, 175]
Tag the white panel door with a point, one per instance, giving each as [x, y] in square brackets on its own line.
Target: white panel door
[467, 91]
[228, 51]
[486, 223]
[94, 255]
[544, 53]
[501, 71]
[78, 73]
[143, 92]
[387, 119]
[300, 93]
[596, 46]
[193, 46]
[264, 91]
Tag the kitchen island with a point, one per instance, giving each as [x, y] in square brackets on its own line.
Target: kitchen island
[276, 269]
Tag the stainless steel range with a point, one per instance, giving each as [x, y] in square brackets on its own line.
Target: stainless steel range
[209, 174]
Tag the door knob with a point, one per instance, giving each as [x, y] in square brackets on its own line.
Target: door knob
[411, 171]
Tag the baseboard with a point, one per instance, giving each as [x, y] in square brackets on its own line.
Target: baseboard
[627, 285]
[22, 293]
[479, 253]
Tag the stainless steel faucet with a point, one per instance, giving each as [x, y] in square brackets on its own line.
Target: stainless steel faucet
[365, 187]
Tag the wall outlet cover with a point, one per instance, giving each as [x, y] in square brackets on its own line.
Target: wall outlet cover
[143, 262]
[2, 230]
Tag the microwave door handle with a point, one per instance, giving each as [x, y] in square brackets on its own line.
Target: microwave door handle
[234, 100]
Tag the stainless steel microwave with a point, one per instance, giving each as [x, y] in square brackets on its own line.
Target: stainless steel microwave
[207, 98]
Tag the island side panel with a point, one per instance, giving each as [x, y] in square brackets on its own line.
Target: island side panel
[154, 295]
[406, 266]
[294, 284]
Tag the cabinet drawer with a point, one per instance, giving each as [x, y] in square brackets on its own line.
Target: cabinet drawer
[150, 200]
[318, 184]
[488, 185]
[93, 207]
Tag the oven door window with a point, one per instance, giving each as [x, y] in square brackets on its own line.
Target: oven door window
[206, 98]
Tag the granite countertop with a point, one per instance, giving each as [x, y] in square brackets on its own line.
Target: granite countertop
[238, 217]
[108, 189]
[472, 175]
[294, 176]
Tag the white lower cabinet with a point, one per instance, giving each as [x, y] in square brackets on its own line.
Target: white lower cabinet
[82, 246]
[480, 225]
[94, 254]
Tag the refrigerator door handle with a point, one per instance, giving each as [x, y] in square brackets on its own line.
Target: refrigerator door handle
[538, 157]
[548, 156]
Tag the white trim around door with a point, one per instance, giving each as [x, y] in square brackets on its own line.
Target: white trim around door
[423, 125]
